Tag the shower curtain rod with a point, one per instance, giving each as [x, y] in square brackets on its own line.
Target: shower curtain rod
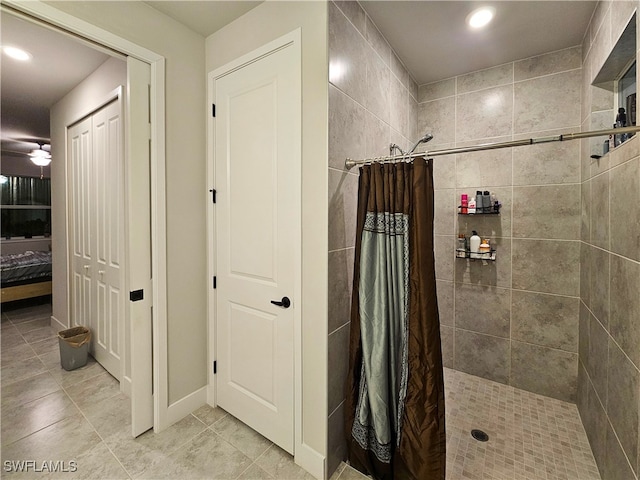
[349, 163]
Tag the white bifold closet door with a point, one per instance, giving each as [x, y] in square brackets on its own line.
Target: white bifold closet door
[96, 214]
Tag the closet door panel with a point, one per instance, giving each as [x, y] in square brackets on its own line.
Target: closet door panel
[108, 188]
[80, 162]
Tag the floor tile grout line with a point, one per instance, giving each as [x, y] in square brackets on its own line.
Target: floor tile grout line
[210, 427]
[41, 396]
[262, 455]
[32, 321]
[28, 375]
[246, 469]
[20, 346]
[172, 451]
[96, 431]
[103, 440]
[86, 418]
[80, 381]
[36, 431]
[23, 318]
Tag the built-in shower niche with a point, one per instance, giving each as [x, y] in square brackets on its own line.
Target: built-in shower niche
[617, 76]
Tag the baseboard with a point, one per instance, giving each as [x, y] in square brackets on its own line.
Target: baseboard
[211, 395]
[183, 407]
[310, 460]
[57, 325]
[125, 386]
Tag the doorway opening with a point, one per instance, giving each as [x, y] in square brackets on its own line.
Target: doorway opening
[143, 173]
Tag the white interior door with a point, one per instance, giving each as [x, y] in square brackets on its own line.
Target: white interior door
[96, 156]
[140, 309]
[256, 152]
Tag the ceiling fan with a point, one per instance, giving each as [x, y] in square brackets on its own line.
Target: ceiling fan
[40, 156]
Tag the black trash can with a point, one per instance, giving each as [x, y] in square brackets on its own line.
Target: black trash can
[74, 347]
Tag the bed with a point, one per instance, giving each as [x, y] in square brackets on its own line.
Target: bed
[25, 275]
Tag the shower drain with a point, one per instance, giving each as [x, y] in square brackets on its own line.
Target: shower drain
[479, 435]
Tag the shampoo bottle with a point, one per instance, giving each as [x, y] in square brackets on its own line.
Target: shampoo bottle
[462, 246]
[472, 205]
[474, 245]
[486, 202]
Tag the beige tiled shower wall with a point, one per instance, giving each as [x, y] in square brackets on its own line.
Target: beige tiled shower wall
[609, 330]
[372, 103]
[514, 321]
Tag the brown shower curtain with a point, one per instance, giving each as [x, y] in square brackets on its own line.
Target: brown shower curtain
[395, 390]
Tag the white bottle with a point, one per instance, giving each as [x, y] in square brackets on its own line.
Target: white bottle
[474, 245]
[472, 205]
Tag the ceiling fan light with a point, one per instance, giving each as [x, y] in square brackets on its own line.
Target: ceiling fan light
[39, 153]
[40, 157]
[41, 161]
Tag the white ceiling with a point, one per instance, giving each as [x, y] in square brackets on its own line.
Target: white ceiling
[30, 88]
[204, 17]
[433, 41]
[430, 37]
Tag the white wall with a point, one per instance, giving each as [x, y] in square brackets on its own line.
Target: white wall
[263, 24]
[183, 51]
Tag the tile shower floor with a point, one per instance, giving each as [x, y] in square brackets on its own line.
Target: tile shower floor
[530, 436]
[49, 414]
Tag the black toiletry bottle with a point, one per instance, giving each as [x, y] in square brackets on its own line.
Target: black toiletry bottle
[479, 202]
[486, 201]
[621, 121]
[621, 118]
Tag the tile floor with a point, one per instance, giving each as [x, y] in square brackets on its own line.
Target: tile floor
[49, 414]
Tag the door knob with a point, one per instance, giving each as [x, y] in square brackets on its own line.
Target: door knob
[86, 267]
[284, 303]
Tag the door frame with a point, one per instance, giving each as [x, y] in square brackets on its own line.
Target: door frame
[290, 40]
[96, 35]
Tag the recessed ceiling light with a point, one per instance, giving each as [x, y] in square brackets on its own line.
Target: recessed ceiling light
[481, 17]
[17, 53]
